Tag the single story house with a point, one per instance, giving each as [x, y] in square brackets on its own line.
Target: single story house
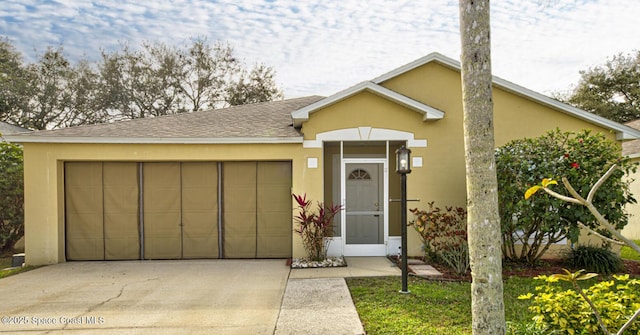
[218, 183]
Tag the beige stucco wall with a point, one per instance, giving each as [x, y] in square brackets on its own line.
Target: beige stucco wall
[632, 230]
[44, 191]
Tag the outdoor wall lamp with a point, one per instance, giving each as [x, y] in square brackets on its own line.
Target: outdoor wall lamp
[403, 167]
[403, 163]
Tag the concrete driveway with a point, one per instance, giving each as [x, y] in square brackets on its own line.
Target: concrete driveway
[140, 297]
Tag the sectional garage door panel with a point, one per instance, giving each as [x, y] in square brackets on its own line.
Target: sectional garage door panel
[121, 211]
[162, 221]
[177, 210]
[84, 224]
[239, 185]
[200, 210]
[274, 210]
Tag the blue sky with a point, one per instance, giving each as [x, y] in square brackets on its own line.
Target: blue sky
[321, 47]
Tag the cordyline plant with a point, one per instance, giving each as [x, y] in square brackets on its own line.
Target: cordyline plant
[444, 235]
[314, 228]
[588, 202]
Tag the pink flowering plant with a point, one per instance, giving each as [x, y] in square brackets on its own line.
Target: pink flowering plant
[315, 227]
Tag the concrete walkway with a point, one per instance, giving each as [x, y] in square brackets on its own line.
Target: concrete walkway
[318, 301]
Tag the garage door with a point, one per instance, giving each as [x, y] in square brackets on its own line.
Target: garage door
[257, 209]
[170, 210]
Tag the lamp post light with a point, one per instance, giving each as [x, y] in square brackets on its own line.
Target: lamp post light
[403, 167]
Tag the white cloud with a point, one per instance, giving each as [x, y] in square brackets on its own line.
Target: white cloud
[321, 47]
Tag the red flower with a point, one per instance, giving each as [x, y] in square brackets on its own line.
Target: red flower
[566, 155]
[575, 165]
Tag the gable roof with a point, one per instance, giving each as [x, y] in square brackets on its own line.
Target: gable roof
[268, 122]
[623, 132]
[6, 129]
[429, 113]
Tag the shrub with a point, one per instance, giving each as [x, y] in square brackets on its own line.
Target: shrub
[314, 228]
[444, 235]
[536, 223]
[568, 313]
[11, 195]
[594, 259]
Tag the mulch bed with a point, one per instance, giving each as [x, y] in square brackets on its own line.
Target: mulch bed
[545, 267]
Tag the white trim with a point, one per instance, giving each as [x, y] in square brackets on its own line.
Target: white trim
[429, 113]
[394, 245]
[434, 56]
[623, 132]
[152, 140]
[312, 163]
[635, 155]
[335, 246]
[365, 134]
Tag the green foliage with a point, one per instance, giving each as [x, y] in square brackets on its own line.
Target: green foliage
[153, 80]
[444, 235]
[611, 90]
[627, 253]
[11, 195]
[314, 228]
[565, 311]
[13, 80]
[537, 222]
[595, 259]
[433, 307]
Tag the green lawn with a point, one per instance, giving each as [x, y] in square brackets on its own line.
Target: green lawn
[628, 253]
[432, 307]
[5, 262]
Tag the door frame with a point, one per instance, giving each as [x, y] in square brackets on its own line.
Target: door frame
[364, 249]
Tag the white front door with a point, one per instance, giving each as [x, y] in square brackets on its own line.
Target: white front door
[364, 230]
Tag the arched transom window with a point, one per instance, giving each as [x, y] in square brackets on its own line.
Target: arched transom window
[359, 174]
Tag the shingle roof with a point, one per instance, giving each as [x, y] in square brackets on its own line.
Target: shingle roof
[632, 148]
[6, 128]
[253, 123]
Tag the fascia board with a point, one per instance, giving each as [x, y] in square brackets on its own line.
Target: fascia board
[622, 132]
[429, 112]
[434, 56]
[165, 140]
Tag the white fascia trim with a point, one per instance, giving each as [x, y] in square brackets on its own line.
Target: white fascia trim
[622, 132]
[365, 134]
[124, 140]
[429, 112]
[633, 156]
[434, 56]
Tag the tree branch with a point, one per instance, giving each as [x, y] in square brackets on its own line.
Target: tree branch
[629, 322]
[608, 239]
[600, 181]
[562, 197]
